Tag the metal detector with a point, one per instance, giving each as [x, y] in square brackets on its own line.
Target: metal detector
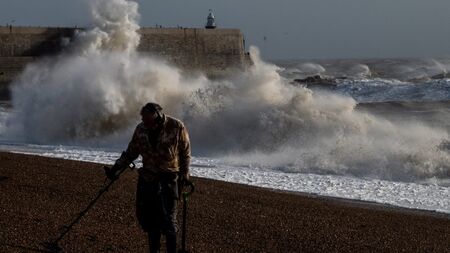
[53, 246]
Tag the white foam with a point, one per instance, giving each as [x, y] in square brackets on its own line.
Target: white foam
[410, 195]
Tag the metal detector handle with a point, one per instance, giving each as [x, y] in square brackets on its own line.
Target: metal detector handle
[191, 190]
[185, 195]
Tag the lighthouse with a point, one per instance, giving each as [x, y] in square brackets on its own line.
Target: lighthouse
[211, 23]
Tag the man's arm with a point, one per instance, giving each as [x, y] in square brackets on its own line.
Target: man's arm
[130, 154]
[184, 152]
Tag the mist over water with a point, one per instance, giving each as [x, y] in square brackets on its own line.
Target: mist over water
[92, 94]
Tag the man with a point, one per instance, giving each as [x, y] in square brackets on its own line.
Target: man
[163, 143]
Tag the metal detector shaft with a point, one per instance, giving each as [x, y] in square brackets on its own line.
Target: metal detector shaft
[54, 244]
[185, 200]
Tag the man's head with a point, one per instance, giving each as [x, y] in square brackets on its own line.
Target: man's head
[151, 115]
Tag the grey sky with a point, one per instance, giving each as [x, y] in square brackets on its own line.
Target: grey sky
[293, 28]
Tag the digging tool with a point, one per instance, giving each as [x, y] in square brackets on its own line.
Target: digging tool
[185, 197]
[53, 246]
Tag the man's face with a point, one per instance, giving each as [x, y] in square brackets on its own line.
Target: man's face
[150, 119]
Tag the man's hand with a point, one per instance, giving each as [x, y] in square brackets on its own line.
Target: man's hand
[111, 172]
[183, 180]
[184, 177]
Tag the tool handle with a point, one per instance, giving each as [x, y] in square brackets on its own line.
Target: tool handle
[191, 186]
[186, 195]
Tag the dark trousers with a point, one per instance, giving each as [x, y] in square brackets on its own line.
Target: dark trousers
[156, 208]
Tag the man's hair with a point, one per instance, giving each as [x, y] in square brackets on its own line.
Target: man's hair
[151, 108]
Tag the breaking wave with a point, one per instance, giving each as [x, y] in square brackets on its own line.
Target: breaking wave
[91, 95]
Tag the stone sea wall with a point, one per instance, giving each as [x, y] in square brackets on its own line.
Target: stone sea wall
[212, 51]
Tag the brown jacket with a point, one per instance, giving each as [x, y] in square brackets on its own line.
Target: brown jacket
[164, 150]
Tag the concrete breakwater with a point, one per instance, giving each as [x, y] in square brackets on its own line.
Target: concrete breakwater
[212, 51]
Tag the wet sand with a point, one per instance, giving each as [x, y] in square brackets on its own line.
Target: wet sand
[39, 195]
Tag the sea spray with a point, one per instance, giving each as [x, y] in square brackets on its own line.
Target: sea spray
[298, 130]
[97, 85]
[254, 117]
[115, 27]
[305, 70]
[360, 71]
